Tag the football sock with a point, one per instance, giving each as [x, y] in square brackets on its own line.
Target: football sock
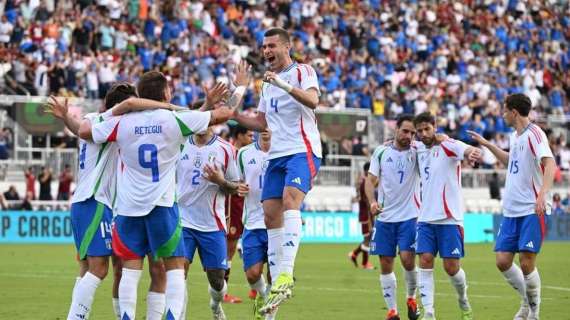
[128, 292]
[155, 305]
[116, 308]
[274, 242]
[84, 293]
[259, 286]
[217, 296]
[175, 288]
[532, 281]
[291, 239]
[411, 282]
[516, 279]
[388, 283]
[459, 282]
[426, 286]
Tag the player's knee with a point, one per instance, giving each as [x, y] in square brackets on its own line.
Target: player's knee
[451, 267]
[100, 270]
[292, 199]
[527, 264]
[503, 264]
[426, 261]
[252, 275]
[216, 278]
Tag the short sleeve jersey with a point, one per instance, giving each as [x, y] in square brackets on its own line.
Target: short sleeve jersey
[252, 163]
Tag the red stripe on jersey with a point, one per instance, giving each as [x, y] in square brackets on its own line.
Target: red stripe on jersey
[120, 249]
[458, 172]
[308, 70]
[542, 221]
[461, 232]
[312, 168]
[531, 147]
[448, 152]
[218, 222]
[226, 159]
[534, 188]
[536, 133]
[299, 75]
[542, 167]
[445, 207]
[113, 136]
[416, 201]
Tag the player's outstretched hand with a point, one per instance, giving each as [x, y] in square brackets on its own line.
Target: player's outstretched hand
[243, 74]
[216, 94]
[55, 107]
[213, 174]
[477, 137]
[243, 189]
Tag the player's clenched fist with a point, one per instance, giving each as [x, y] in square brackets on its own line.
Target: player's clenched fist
[274, 79]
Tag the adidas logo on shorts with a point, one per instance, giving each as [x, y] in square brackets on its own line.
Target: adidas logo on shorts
[296, 180]
[530, 245]
[456, 251]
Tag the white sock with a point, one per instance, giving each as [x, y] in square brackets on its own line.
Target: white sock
[515, 278]
[411, 282]
[175, 288]
[116, 309]
[291, 239]
[155, 305]
[259, 286]
[426, 286]
[128, 292]
[388, 283]
[274, 242]
[532, 281]
[183, 315]
[84, 293]
[459, 281]
[217, 296]
[77, 279]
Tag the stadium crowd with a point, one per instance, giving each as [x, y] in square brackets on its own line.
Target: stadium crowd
[456, 59]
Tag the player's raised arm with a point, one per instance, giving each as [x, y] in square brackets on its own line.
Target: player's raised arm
[60, 110]
[308, 97]
[502, 155]
[141, 104]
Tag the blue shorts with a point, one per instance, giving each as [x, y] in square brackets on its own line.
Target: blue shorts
[212, 247]
[158, 233]
[386, 236]
[91, 225]
[447, 239]
[254, 243]
[521, 234]
[297, 170]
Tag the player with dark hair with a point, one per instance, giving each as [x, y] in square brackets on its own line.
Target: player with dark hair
[365, 220]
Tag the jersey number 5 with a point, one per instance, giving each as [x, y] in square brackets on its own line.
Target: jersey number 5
[151, 163]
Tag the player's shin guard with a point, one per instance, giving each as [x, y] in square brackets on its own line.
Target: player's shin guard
[291, 239]
[459, 282]
[259, 286]
[426, 286]
[128, 293]
[155, 305]
[84, 293]
[532, 281]
[411, 282]
[388, 283]
[515, 278]
[175, 287]
[274, 242]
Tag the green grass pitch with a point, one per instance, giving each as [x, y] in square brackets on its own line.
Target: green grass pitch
[36, 283]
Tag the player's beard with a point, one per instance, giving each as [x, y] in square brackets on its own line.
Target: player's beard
[428, 141]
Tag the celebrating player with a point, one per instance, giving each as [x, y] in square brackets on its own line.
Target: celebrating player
[289, 95]
[530, 174]
[440, 222]
[147, 217]
[394, 169]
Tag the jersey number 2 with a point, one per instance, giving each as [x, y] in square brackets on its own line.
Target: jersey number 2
[151, 163]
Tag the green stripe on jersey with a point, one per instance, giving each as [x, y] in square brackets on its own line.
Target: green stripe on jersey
[183, 127]
[166, 250]
[93, 226]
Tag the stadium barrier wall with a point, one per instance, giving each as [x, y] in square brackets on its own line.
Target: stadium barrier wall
[319, 227]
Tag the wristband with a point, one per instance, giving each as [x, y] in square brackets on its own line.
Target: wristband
[240, 90]
[282, 84]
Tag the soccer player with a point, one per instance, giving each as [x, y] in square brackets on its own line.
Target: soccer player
[147, 216]
[530, 173]
[394, 169]
[234, 208]
[252, 162]
[206, 172]
[365, 222]
[289, 95]
[440, 222]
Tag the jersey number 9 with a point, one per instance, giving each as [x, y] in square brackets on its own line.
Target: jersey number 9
[152, 163]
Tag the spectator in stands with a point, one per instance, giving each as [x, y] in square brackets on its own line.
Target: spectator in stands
[557, 207]
[65, 180]
[26, 203]
[45, 184]
[30, 183]
[3, 146]
[3, 203]
[11, 194]
[495, 186]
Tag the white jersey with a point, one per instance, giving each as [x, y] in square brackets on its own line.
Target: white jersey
[440, 173]
[96, 174]
[398, 189]
[252, 163]
[202, 204]
[293, 125]
[525, 173]
[149, 143]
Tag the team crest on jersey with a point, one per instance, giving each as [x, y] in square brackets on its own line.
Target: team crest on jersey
[264, 165]
[212, 157]
[400, 164]
[198, 162]
[515, 152]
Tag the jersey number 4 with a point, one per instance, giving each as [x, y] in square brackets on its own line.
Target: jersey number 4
[149, 162]
[273, 103]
